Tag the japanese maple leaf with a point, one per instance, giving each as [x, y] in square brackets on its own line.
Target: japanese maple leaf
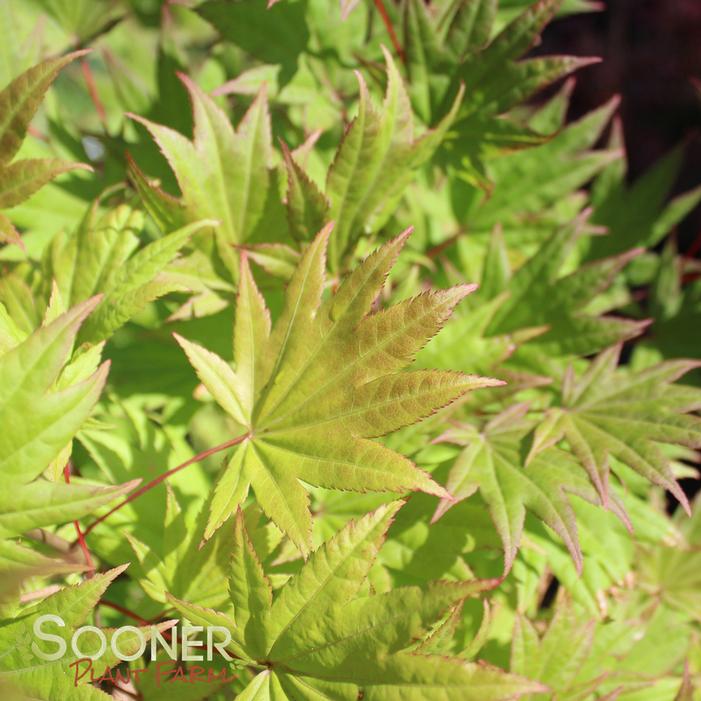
[315, 387]
[615, 412]
[323, 637]
[493, 461]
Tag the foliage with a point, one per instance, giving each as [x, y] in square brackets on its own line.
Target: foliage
[452, 463]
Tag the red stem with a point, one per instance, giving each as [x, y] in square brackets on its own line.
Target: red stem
[81, 535]
[125, 612]
[92, 90]
[379, 4]
[161, 478]
[133, 616]
[138, 619]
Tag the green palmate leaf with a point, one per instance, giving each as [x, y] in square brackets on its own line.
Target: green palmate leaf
[639, 215]
[103, 255]
[39, 418]
[555, 659]
[178, 565]
[493, 461]
[611, 412]
[43, 503]
[376, 161]
[19, 102]
[444, 48]
[447, 47]
[673, 573]
[102, 259]
[42, 680]
[312, 390]
[580, 658]
[533, 184]
[610, 553]
[496, 82]
[223, 174]
[536, 308]
[540, 297]
[322, 637]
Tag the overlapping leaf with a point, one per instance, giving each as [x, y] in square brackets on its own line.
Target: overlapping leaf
[312, 390]
[376, 161]
[44, 403]
[181, 566]
[536, 307]
[539, 296]
[223, 174]
[19, 101]
[453, 44]
[32, 677]
[611, 412]
[39, 420]
[323, 637]
[639, 215]
[580, 658]
[493, 461]
[103, 257]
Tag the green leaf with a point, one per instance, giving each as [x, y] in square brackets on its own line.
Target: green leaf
[323, 383]
[578, 657]
[223, 174]
[307, 207]
[43, 503]
[178, 564]
[44, 680]
[333, 574]
[493, 461]
[19, 102]
[534, 181]
[20, 180]
[84, 18]
[166, 210]
[556, 658]
[322, 638]
[375, 162]
[673, 572]
[539, 296]
[615, 412]
[639, 215]
[127, 283]
[40, 420]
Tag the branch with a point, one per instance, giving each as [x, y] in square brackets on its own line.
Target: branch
[387, 21]
[81, 537]
[161, 478]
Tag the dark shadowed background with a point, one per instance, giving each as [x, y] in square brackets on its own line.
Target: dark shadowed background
[651, 51]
